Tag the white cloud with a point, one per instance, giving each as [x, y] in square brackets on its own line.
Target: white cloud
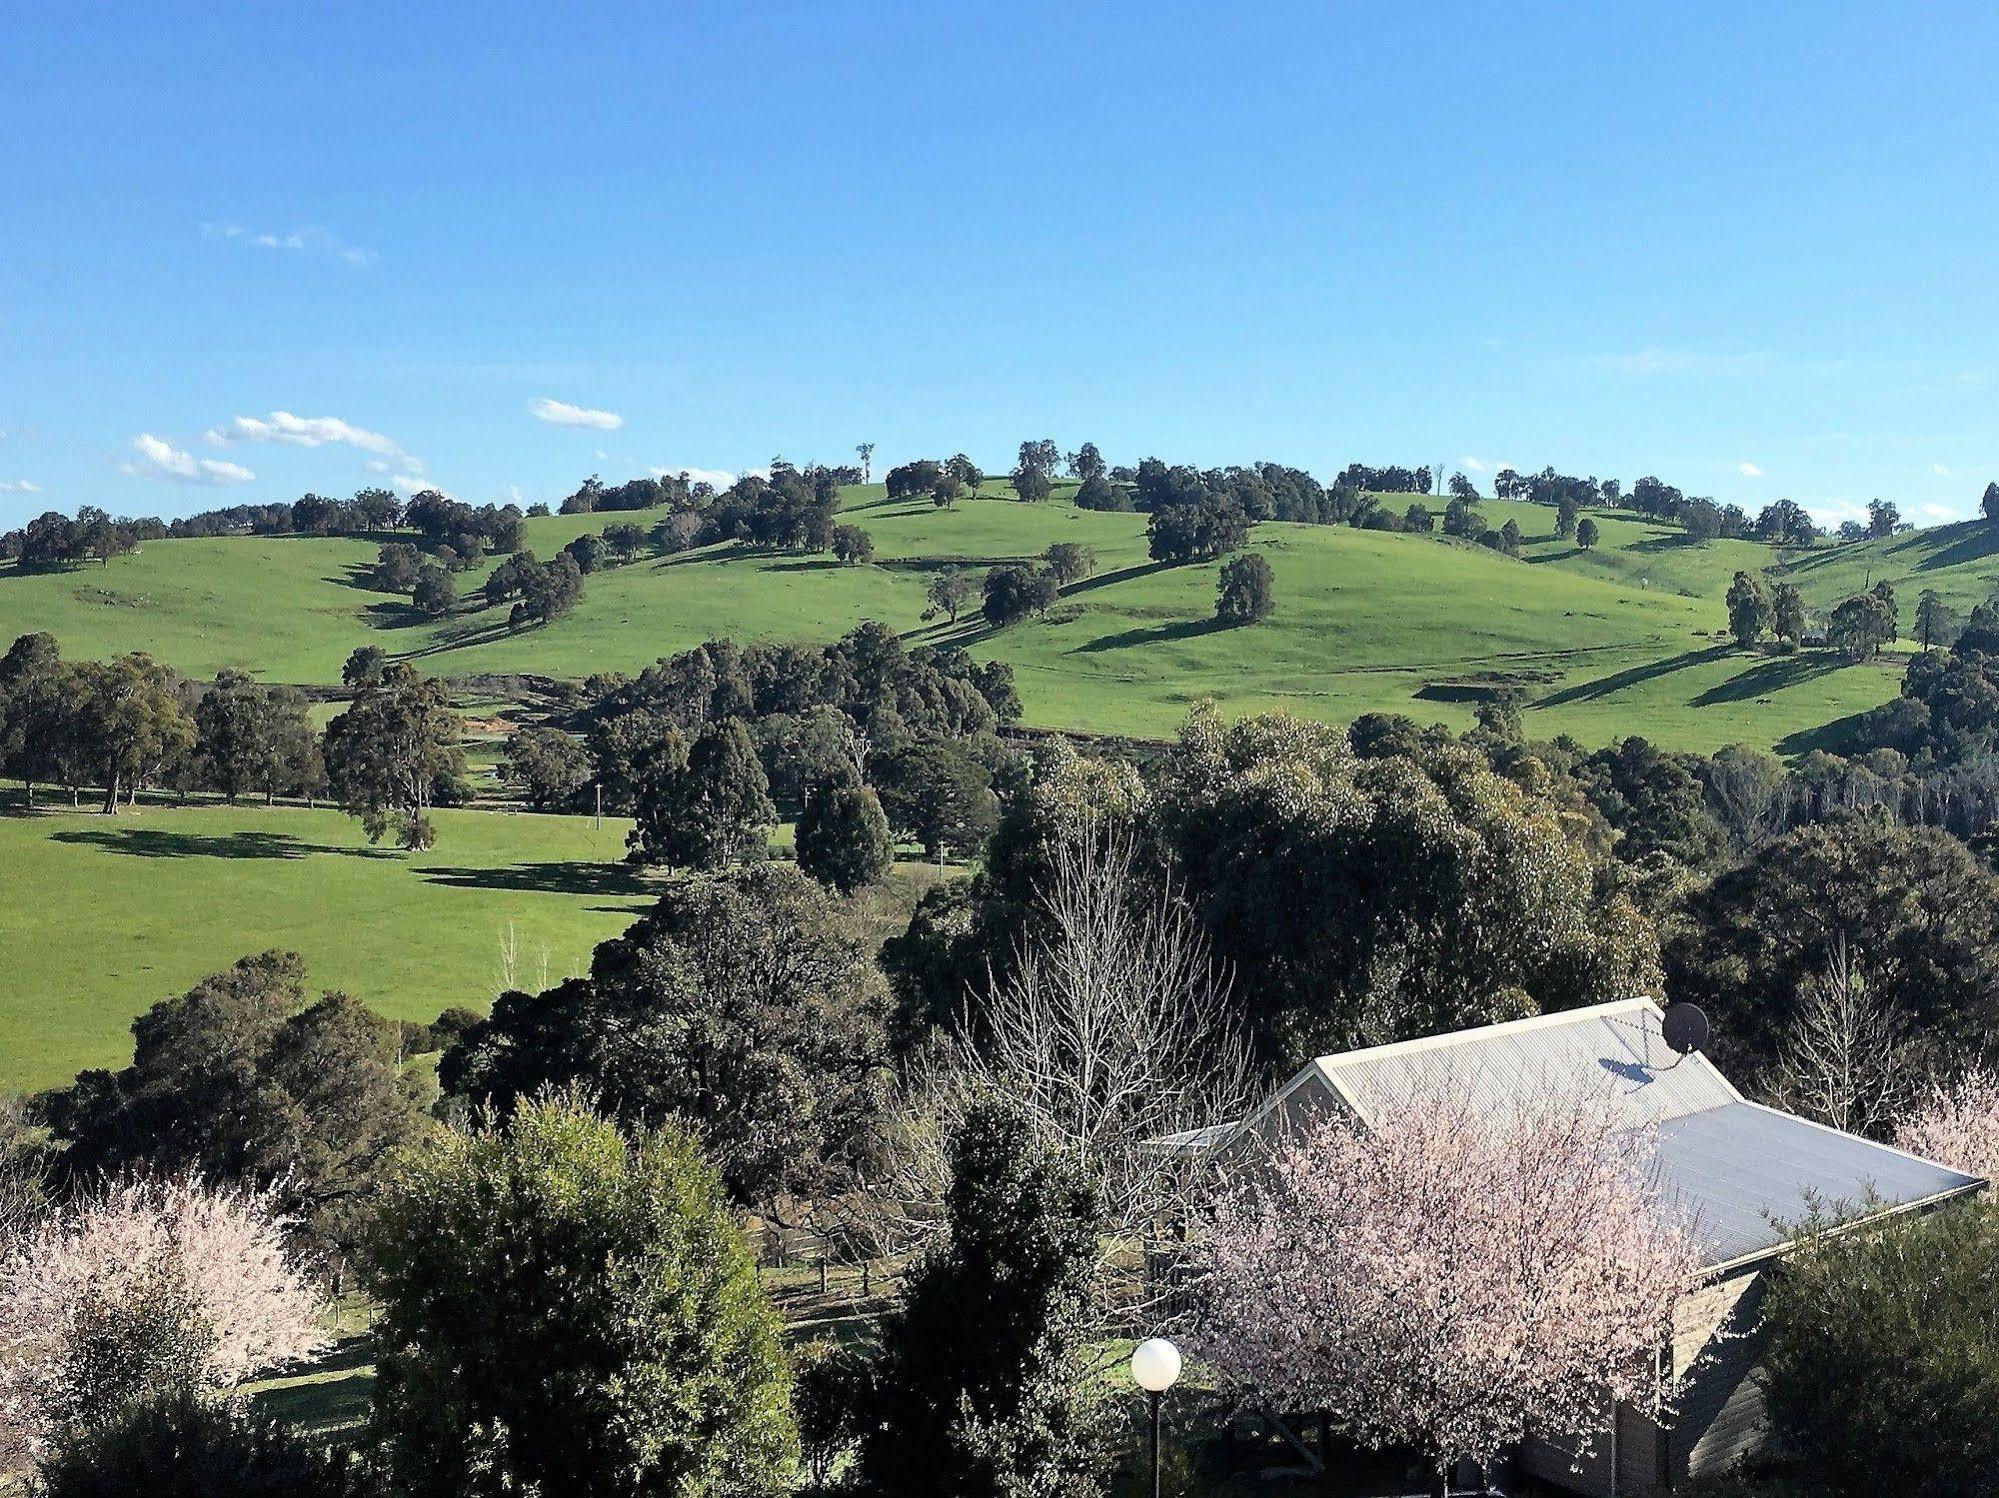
[1473, 465]
[721, 478]
[1938, 512]
[19, 486]
[413, 482]
[602, 456]
[159, 459]
[514, 494]
[304, 431]
[562, 414]
[307, 240]
[1939, 470]
[1749, 470]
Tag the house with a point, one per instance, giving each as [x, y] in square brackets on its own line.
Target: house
[1736, 1171]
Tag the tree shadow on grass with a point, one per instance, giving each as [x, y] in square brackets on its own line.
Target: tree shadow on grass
[1617, 681]
[152, 842]
[1834, 737]
[1770, 676]
[1179, 629]
[1980, 539]
[568, 877]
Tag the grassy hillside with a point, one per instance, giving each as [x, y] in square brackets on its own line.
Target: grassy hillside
[132, 909]
[1620, 639]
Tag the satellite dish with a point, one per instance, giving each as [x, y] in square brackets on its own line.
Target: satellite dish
[1685, 1028]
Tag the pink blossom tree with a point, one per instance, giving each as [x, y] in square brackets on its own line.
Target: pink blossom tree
[145, 1285]
[1446, 1278]
[1957, 1125]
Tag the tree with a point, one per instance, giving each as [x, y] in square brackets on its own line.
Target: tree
[1032, 484]
[253, 737]
[944, 493]
[865, 451]
[244, 1079]
[142, 1287]
[1086, 463]
[1860, 627]
[180, 1445]
[566, 1311]
[1364, 900]
[744, 1006]
[1070, 561]
[938, 795]
[1418, 518]
[1243, 594]
[1586, 534]
[1911, 907]
[1787, 612]
[397, 568]
[547, 593]
[549, 766]
[1099, 492]
[378, 508]
[1040, 456]
[981, 1388]
[1461, 518]
[843, 837]
[1882, 517]
[1845, 1058]
[1012, 592]
[1463, 488]
[386, 753]
[36, 692]
[587, 551]
[434, 594]
[625, 540]
[1197, 530]
[364, 666]
[1565, 516]
[1112, 1027]
[1749, 608]
[951, 589]
[707, 811]
[1936, 622]
[1988, 504]
[1956, 1124]
[128, 721]
[1879, 1364]
[851, 544]
[965, 471]
[1451, 1275]
[1702, 518]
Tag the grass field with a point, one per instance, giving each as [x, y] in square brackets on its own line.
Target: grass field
[107, 915]
[1624, 638]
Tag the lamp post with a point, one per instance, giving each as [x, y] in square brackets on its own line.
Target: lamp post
[1155, 1368]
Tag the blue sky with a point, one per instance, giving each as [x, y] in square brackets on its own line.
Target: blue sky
[1751, 249]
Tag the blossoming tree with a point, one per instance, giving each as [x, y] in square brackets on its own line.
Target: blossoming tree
[145, 1286]
[1445, 1278]
[1957, 1125]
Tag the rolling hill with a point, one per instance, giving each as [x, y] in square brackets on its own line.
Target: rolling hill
[1624, 638]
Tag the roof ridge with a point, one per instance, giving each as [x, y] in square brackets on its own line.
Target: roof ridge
[1546, 1020]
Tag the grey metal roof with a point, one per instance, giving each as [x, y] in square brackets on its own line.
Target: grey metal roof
[1737, 1172]
[1743, 1176]
[1611, 1048]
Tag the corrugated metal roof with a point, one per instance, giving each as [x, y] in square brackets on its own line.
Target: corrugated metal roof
[1741, 1174]
[1613, 1049]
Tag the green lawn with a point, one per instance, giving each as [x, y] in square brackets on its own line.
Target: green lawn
[105, 915]
[1620, 639]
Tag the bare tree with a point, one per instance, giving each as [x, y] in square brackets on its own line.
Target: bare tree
[1845, 1058]
[1114, 1028]
[866, 452]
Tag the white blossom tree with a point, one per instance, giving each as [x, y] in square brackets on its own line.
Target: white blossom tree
[1445, 1279]
[1957, 1124]
[147, 1284]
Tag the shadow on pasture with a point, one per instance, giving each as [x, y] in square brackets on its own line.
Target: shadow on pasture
[1770, 676]
[1617, 681]
[153, 842]
[570, 877]
[1179, 629]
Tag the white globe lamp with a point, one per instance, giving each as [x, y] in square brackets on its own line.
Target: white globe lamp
[1155, 1368]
